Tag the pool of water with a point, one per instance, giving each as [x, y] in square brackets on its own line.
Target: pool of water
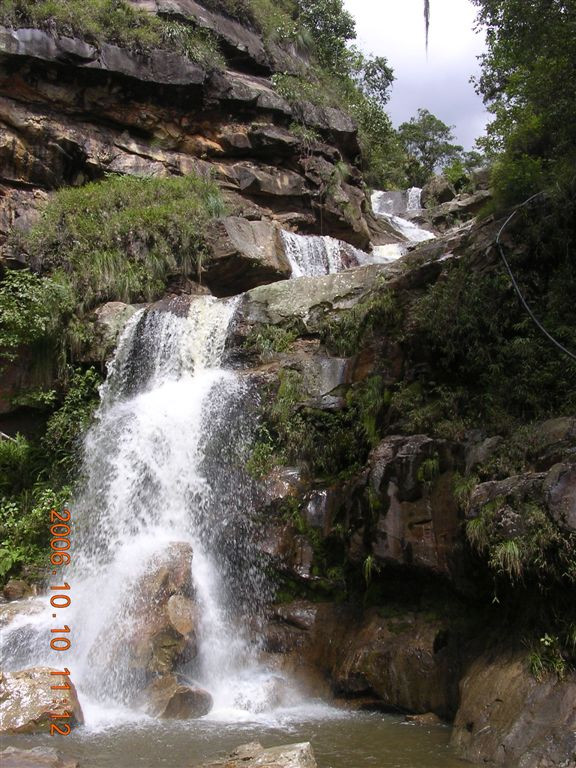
[340, 739]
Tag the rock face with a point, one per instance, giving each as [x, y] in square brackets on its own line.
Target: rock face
[507, 718]
[38, 757]
[26, 702]
[255, 756]
[161, 114]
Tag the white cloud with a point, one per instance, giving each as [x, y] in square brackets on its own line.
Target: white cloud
[439, 81]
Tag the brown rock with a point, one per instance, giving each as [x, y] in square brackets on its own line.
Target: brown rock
[427, 719]
[169, 699]
[26, 702]
[181, 614]
[243, 254]
[38, 757]
[17, 589]
[507, 718]
[255, 756]
[405, 660]
[560, 492]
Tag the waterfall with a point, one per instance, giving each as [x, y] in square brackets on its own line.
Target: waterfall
[414, 201]
[161, 478]
[314, 255]
[386, 206]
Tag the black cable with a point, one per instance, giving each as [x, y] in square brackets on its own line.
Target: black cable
[537, 322]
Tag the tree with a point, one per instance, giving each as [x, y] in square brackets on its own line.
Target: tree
[527, 82]
[429, 144]
[331, 27]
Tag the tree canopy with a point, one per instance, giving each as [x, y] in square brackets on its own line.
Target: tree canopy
[429, 144]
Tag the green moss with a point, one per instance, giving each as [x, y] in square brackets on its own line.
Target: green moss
[113, 21]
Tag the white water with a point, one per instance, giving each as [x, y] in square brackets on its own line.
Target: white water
[161, 467]
[383, 205]
[312, 256]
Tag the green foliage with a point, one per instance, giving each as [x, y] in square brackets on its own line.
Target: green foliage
[531, 57]
[344, 333]
[31, 310]
[268, 339]
[547, 658]
[429, 144]
[429, 469]
[369, 568]
[113, 21]
[24, 528]
[67, 424]
[331, 27]
[481, 359]
[520, 543]
[120, 238]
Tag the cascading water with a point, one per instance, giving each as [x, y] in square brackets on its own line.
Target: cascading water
[386, 205]
[161, 475]
[313, 255]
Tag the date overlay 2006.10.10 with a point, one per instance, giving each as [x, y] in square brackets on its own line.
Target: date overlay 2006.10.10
[60, 528]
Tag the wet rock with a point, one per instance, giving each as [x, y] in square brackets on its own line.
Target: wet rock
[243, 254]
[15, 609]
[181, 614]
[17, 589]
[26, 702]
[419, 521]
[311, 299]
[406, 660]
[461, 209]
[283, 482]
[168, 698]
[38, 757]
[109, 321]
[480, 453]
[255, 756]
[506, 717]
[300, 613]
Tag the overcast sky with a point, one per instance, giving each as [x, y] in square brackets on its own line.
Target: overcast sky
[439, 82]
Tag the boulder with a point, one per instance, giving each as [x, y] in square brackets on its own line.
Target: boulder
[37, 757]
[243, 254]
[311, 300]
[506, 717]
[255, 756]
[438, 190]
[169, 698]
[181, 614]
[17, 589]
[26, 702]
